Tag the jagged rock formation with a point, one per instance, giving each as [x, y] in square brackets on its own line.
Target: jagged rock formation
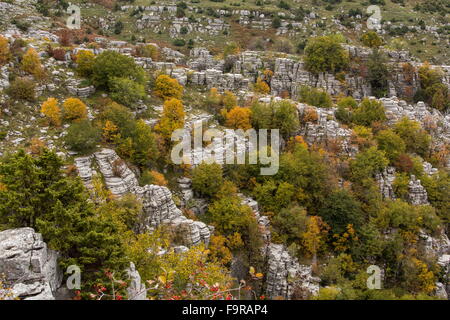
[325, 128]
[385, 180]
[438, 246]
[136, 289]
[29, 265]
[158, 206]
[417, 194]
[284, 275]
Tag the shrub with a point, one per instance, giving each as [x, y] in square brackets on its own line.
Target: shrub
[5, 53]
[261, 86]
[371, 39]
[172, 118]
[74, 109]
[82, 136]
[22, 89]
[391, 143]
[417, 140]
[126, 91]
[149, 51]
[179, 42]
[378, 74]
[285, 118]
[432, 89]
[31, 63]
[59, 54]
[315, 97]
[85, 63]
[368, 112]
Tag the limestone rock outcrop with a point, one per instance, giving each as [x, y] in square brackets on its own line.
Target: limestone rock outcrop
[385, 180]
[158, 205]
[417, 194]
[285, 276]
[29, 266]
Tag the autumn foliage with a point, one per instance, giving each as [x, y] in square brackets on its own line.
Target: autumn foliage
[172, 118]
[238, 118]
[31, 63]
[4, 50]
[74, 109]
[52, 111]
[167, 87]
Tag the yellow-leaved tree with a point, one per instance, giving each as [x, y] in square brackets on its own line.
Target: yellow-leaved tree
[110, 131]
[31, 63]
[167, 87]
[74, 109]
[261, 86]
[315, 236]
[85, 62]
[5, 54]
[51, 110]
[172, 118]
[238, 118]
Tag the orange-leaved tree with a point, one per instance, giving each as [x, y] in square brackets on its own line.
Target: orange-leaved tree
[315, 236]
[238, 118]
[74, 109]
[51, 110]
[167, 87]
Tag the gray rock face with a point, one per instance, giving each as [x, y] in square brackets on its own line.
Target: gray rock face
[29, 265]
[385, 180]
[158, 205]
[284, 275]
[325, 129]
[136, 289]
[201, 59]
[417, 194]
[83, 92]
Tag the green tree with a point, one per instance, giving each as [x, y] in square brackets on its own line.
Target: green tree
[369, 112]
[367, 163]
[315, 97]
[325, 54]
[207, 178]
[39, 195]
[82, 136]
[274, 196]
[285, 118]
[341, 209]
[417, 140]
[391, 144]
[378, 74]
[290, 224]
[126, 91]
[110, 64]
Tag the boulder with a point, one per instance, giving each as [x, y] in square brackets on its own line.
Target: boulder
[29, 266]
